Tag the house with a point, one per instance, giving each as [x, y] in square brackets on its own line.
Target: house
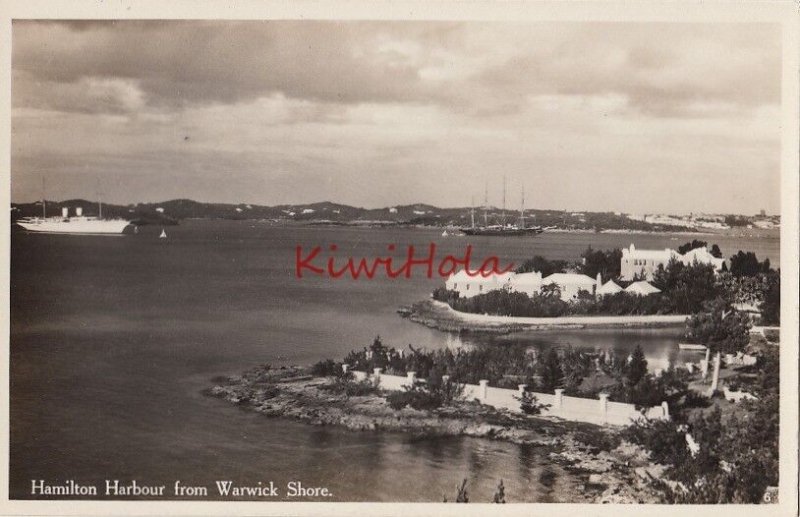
[644, 263]
[609, 287]
[642, 288]
[570, 284]
[469, 286]
[528, 283]
[702, 256]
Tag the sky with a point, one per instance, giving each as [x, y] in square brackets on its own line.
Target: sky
[627, 117]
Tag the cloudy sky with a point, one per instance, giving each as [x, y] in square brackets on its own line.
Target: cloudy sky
[589, 116]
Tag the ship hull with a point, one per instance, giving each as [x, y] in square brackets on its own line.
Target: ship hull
[501, 232]
[79, 227]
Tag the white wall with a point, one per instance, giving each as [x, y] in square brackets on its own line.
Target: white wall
[595, 411]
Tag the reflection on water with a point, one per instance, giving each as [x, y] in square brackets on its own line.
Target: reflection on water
[113, 340]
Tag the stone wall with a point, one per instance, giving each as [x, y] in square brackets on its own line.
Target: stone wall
[595, 411]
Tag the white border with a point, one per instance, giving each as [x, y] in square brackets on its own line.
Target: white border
[783, 12]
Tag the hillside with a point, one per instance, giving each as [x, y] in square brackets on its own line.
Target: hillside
[172, 211]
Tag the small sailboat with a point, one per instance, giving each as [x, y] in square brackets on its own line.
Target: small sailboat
[445, 234]
[163, 234]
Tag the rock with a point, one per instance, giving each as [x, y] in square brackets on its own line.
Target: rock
[595, 479]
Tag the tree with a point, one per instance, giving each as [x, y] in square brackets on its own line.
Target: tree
[550, 291]
[686, 286]
[542, 265]
[689, 246]
[552, 374]
[607, 263]
[747, 264]
[637, 368]
[771, 305]
[719, 327]
[715, 251]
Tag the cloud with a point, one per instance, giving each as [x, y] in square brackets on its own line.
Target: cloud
[294, 111]
[660, 68]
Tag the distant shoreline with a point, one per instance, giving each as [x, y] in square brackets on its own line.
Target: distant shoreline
[440, 316]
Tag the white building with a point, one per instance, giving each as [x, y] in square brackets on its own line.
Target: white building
[528, 283]
[644, 263]
[609, 287]
[570, 284]
[469, 286]
[642, 288]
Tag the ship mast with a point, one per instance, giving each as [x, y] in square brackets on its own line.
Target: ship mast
[472, 212]
[486, 204]
[99, 201]
[522, 209]
[504, 200]
[44, 207]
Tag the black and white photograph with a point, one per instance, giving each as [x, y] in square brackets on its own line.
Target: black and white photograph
[407, 255]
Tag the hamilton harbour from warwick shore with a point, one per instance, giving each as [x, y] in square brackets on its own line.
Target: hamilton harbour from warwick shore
[376, 260]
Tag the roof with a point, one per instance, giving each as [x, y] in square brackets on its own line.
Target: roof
[642, 287]
[661, 255]
[609, 287]
[569, 279]
[463, 276]
[527, 279]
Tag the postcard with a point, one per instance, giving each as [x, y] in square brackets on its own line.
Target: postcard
[393, 257]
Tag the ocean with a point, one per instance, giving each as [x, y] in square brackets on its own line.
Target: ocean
[113, 340]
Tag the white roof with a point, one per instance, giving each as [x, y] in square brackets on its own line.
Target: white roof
[661, 255]
[642, 287]
[609, 287]
[527, 279]
[568, 279]
[463, 276]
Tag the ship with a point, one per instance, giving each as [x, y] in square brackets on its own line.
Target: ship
[77, 224]
[503, 229]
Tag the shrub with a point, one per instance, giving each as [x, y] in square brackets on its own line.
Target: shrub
[416, 397]
[530, 405]
[326, 368]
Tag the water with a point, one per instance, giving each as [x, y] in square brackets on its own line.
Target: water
[113, 339]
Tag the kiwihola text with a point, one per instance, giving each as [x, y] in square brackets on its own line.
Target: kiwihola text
[314, 262]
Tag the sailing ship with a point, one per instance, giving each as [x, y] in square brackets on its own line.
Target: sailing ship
[502, 229]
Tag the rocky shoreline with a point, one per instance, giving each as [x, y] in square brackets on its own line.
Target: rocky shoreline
[612, 470]
[439, 316]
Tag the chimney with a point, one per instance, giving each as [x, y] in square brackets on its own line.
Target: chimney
[64, 212]
[599, 280]
[632, 248]
[79, 211]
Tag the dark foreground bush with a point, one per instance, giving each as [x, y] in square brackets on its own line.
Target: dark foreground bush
[326, 368]
[344, 384]
[426, 396]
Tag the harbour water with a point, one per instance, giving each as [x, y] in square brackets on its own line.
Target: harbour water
[113, 340]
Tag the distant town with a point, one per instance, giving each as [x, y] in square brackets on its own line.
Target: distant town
[328, 213]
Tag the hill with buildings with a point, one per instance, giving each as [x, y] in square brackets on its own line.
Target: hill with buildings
[172, 211]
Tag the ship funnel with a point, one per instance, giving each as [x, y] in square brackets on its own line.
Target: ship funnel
[79, 211]
[64, 212]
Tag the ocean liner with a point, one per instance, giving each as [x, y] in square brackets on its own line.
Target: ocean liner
[77, 224]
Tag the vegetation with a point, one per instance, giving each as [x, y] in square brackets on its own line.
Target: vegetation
[530, 405]
[544, 266]
[737, 457]
[607, 263]
[747, 264]
[427, 396]
[689, 246]
[719, 327]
